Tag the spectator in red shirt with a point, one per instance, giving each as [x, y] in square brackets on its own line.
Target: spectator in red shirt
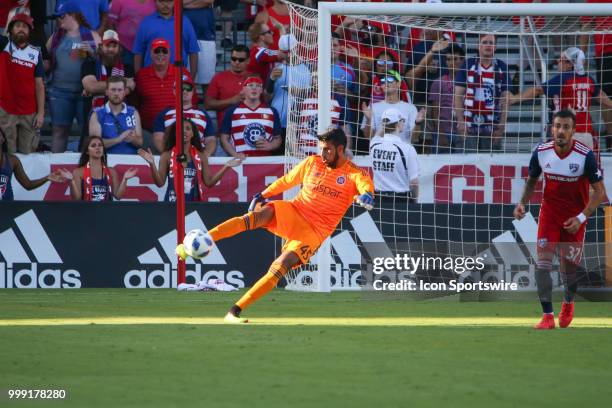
[225, 88]
[277, 18]
[22, 91]
[603, 60]
[263, 54]
[155, 83]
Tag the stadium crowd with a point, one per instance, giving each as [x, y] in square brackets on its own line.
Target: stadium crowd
[108, 66]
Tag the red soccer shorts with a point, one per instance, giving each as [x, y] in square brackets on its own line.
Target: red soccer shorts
[552, 237]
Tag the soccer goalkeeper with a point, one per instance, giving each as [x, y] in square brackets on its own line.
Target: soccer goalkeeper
[330, 183]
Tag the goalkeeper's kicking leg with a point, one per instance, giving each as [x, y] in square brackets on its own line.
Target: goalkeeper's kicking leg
[277, 270]
[257, 217]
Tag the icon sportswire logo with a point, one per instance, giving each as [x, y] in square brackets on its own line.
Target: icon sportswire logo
[162, 255]
[22, 270]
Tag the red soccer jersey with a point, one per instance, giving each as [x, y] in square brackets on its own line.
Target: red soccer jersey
[572, 91]
[18, 69]
[262, 60]
[246, 126]
[566, 179]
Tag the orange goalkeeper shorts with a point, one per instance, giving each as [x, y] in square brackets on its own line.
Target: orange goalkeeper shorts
[298, 233]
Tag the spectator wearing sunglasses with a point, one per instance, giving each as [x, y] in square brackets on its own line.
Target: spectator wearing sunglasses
[117, 123]
[155, 83]
[226, 87]
[263, 55]
[383, 64]
[161, 25]
[372, 115]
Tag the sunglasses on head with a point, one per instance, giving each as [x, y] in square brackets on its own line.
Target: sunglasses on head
[237, 59]
[160, 51]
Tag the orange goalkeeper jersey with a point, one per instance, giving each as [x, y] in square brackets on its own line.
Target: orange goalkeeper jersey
[326, 193]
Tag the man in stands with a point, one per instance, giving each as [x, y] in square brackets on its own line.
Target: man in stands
[22, 90]
[155, 83]
[225, 88]
[251, 128]
[117, 123]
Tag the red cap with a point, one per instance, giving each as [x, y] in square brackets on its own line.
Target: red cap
[24, 18]
[252, 80]
[160, 43]
[187, 80]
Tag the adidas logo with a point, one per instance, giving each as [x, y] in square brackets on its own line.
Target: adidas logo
[25, 250]
[162, 255]
[243, 117]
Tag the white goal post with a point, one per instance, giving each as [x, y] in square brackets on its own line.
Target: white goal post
[469, 19]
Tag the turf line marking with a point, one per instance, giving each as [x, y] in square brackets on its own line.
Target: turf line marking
[586, 322]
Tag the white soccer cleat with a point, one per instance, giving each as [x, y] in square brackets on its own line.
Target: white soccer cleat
[231, 319]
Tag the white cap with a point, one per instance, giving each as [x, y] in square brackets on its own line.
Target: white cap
[576, 57]
[392, 115]
[287, 42]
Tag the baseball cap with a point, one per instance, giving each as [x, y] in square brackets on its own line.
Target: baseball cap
[576, 57]
[392, 115]
[287, 42]
[67, 6]
[24, 18]
[252, 80]
[187, 80]
[160, 43]
[110, 36]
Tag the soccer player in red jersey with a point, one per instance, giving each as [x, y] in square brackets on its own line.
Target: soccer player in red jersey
[330, 183]
[569, 167]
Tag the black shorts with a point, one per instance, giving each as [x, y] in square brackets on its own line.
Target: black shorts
[227, 5]
[604, 72]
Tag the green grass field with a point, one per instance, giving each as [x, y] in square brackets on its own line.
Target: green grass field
[161, 348]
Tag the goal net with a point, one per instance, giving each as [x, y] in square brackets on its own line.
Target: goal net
[477, 85]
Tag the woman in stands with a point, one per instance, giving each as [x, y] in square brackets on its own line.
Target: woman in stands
[93, 180]
[9, 165]
[195, 168]
[72, 43]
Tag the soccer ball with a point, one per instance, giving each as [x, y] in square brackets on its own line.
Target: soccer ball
[197, 243]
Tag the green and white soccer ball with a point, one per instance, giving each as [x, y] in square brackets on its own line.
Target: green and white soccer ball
[197, 243]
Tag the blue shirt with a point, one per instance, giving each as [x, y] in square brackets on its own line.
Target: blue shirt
[344, 75]
[300, 78]
[155, 26]
[113, 126]
[203, 21]
[6, 172]
[91, 10]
